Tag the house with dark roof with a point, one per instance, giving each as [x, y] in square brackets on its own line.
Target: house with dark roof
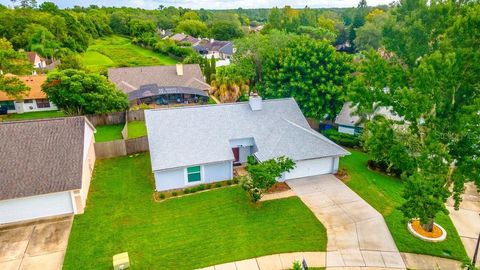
[161, 85]
[218, 49]
[201, 144]
[33, 101]
[45, 167]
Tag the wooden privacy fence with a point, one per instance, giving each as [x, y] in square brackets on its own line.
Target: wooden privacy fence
[116, 118]
[119, 148]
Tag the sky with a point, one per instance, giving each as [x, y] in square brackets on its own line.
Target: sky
[210, 4]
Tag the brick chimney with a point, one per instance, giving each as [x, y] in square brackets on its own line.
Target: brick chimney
[179, 69]
[255, 102]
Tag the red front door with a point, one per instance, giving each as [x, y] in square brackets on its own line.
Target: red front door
[236, 154]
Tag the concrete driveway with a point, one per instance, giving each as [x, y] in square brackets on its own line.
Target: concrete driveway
[34, 245]
[357, 234]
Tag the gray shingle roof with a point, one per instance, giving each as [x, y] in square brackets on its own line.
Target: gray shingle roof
[197, 135]
[129, 79]
[41, 156]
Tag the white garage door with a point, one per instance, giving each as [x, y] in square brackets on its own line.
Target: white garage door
[35, 207]
[311, 167]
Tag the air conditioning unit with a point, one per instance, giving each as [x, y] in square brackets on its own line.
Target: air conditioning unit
[121, 261]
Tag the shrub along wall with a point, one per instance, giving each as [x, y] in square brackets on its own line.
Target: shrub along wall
[343, 139]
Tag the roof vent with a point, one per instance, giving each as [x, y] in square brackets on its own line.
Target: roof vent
[179, 69]
[255, 102]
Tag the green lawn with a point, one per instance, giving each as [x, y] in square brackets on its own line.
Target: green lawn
[109, 133]
[32, 115]
[136, 129]
[183, 233]
[116, 51]
[384, 194]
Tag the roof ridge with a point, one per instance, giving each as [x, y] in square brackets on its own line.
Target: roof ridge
[219, 105]
[315, 134]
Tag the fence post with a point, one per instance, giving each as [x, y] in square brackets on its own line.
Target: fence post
[476, 252]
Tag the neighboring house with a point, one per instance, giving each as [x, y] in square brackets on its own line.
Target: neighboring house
[182, 38]
[161, 85]
[45, 167]
[36, 60]
[35, 100]
[164, 33]
[218, 49]
[348, 122]
[201, 144]
[178, 37]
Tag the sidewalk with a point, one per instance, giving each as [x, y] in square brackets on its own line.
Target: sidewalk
[467, 218]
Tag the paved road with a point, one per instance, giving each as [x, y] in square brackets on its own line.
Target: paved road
[357, 234]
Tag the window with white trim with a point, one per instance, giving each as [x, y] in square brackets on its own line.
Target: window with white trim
[194, 174]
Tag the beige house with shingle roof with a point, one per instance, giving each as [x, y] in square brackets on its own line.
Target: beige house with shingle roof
[161, 85]
[45, 167]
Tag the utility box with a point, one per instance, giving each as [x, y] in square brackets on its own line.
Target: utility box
[121, 261]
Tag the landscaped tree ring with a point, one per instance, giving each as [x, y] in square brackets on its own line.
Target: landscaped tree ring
[436, 226]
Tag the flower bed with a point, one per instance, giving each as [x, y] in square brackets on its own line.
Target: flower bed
[169, 194]
[436, 235]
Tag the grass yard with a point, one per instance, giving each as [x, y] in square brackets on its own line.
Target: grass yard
[117, 51]
[109, 133]
[184, 233]
[384, 194]
[136, 129]
[32, 115]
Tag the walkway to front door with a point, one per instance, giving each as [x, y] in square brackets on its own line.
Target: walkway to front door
[357, 234]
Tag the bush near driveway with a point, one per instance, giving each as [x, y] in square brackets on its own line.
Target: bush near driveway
[195, 231]
[384, 194]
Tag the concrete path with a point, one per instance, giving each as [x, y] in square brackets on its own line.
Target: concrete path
[467, 218]
[426, 262]
[357, 234]
[34, 245]
[273, 262]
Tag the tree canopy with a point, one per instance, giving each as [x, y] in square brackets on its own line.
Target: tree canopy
[77, 93]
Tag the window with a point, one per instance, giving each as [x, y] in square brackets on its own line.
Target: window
[28, 101]
[193, 174]
[43, 103]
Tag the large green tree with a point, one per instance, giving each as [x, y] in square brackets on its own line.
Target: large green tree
[14, 62]
[192, 27]
[77, 93]
[310, 71]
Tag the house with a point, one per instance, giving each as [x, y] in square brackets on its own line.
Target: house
[202, 144]
[348, 122]
[218, 49]
[36, 60]
[45, 167]
[178, 37]
[182, 38]
[35, 100]
[161, 85]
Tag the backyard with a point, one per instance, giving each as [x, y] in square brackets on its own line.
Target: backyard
[195, 231]
[107, 133]
[31, 115]
[384, 194]
[117, 51]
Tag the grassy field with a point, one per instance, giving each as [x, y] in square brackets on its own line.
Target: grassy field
[116, 51]
[31, 115]
[184, 233]
[136, 129]
[384, 194]
[109, 133]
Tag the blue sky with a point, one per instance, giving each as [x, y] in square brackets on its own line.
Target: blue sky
[211, 4]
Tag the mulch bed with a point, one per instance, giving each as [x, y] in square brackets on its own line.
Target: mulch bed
[436, 233]
[278, 187]
[342, 174]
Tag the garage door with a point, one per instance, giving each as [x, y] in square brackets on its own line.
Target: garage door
[311, 167]
[35, 207]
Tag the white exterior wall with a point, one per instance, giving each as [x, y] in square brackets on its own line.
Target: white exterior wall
[88, 161]
[177, 178]
[348, 130]
[22, 107]
[310, 167]
[35, 207]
